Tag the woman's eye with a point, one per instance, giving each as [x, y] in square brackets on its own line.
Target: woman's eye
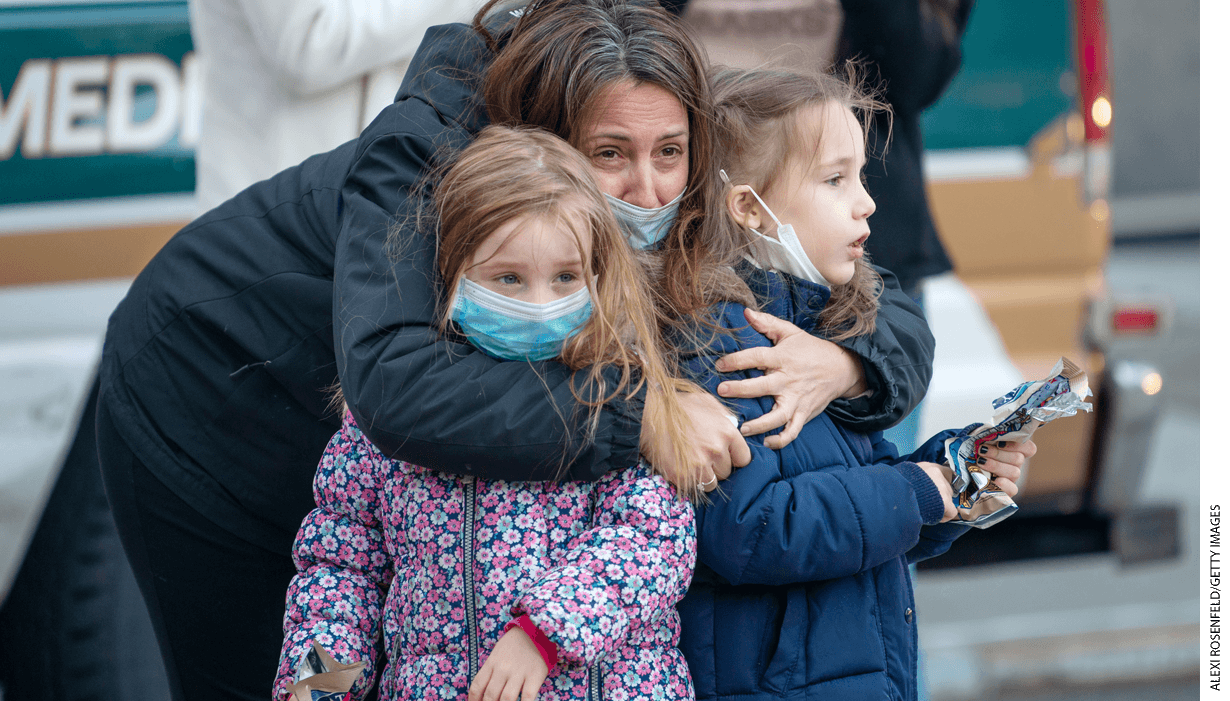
[606, 154]
[672, 151]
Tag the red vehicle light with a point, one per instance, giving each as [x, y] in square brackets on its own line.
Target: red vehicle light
[1135, 320]
[1093, 57]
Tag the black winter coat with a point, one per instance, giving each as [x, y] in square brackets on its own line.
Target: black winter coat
[915, 52]
[218, 362]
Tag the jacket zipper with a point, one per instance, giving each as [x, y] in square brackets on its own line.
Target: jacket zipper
[594, 692]
[469, 489]
[595, 684]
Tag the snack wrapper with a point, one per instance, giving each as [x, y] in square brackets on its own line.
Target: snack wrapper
[319, 677]
[1017, 414]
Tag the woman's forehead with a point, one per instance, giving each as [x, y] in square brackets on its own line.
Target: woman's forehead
[636, 111]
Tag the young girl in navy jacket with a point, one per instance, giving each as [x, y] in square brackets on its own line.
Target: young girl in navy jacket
[802, 589]
[494, 589]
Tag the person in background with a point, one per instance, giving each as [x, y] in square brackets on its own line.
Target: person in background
[913, 48]
[282, 80]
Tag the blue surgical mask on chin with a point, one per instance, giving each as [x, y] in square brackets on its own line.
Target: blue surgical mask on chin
[508, 328]
[645, 227]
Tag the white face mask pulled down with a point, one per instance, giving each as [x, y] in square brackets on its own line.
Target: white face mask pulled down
[785, 253]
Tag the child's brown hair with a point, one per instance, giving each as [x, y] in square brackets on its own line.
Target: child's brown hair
[758, 114]
[506, 174]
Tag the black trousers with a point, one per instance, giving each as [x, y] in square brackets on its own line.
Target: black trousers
[215, 600]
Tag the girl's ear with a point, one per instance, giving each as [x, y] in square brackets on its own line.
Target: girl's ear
[742, 206]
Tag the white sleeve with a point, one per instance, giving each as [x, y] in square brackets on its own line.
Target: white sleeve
[316, 45]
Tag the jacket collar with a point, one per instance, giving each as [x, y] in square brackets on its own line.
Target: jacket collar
[785, 296]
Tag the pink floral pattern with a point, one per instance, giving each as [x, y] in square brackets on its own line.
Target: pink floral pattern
[382, 568]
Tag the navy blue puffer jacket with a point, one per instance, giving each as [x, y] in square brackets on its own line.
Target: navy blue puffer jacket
[802, 591]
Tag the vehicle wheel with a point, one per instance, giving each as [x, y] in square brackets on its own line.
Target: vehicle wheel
[74, 624]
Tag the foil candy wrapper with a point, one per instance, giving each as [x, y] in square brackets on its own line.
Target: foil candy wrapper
[319, 677]
[1017, 414]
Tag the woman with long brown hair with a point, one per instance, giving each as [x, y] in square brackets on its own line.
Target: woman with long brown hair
[213, 408]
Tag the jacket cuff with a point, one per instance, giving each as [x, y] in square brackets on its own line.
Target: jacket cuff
[626, 414]
[546, 648]
[932, 449]
[879, 407]
[873, 404]
[930, 503]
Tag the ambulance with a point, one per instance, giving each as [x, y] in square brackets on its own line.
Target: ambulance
[99, 115]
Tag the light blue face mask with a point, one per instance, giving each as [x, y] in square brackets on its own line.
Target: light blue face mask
[508, 328]
[645, 227]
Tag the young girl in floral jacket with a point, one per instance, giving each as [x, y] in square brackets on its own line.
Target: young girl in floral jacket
[532, 589]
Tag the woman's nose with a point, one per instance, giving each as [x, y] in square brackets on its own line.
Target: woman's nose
[640, 188]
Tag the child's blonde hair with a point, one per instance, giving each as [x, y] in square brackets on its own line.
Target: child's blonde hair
[758, 121]
[510, 173]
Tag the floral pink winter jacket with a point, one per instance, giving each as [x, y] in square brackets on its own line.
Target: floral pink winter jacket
[432, 567]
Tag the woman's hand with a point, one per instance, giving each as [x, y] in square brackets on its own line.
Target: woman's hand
[801, 372]
[514, 669]
[1004, 460]
[714, 448]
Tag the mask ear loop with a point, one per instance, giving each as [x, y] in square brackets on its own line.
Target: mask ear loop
[726, 179]
[452, 302]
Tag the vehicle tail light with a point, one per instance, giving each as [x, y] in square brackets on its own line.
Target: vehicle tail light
[1096, 101]
[1135, 320]
[1093, 58]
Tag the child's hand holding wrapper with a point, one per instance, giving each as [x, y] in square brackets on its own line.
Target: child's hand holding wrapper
[1019, 413]
[322, 678]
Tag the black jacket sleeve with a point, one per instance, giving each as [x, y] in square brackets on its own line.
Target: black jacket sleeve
[420, 397]
[896, 358]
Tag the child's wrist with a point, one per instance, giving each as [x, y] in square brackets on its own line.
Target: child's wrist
[930, 500]
[547, 649]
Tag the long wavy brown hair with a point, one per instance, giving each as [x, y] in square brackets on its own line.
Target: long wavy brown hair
[551, 68]
[508, 174]
[759, 125]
